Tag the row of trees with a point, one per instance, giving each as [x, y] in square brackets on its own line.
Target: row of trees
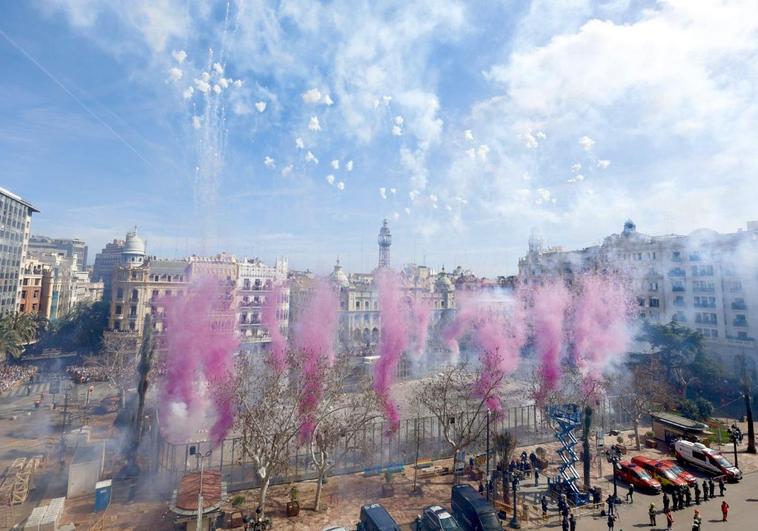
[17, 330]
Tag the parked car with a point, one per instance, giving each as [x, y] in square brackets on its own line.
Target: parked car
[633, 474]
[660, 471]
[706, 459]
[435, 518]
[374, 517]
[679, 471]
[472, 511]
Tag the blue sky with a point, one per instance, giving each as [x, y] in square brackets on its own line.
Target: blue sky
[467, 124]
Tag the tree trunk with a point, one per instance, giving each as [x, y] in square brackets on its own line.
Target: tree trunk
[264, 492]
[122, 397]
[319, 487]
[749, 417]
[455, 458]
[586, 446]
[637, 433]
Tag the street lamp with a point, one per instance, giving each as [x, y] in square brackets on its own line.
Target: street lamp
[201, 457]
[735, 435]
[614, 456]
[487, 476]
[515, 524]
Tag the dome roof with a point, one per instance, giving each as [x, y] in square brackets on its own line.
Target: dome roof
[443, 283]
[134, 244]
[339, 277]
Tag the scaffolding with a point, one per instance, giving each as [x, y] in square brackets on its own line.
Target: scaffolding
[566, 418]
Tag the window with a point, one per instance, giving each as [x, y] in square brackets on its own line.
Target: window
[132, 311]
[357, 305]
[653, 286]
[120, 293]
[641, 301]
[654, 302]
[135, 295]
[117, 325]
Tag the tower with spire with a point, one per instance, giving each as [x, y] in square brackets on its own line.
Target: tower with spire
[385, 241]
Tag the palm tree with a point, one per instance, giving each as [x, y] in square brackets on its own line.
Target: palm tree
[10, 342]
[25, 326]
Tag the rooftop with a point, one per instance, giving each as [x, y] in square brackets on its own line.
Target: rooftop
[17, 198]
[679, 421]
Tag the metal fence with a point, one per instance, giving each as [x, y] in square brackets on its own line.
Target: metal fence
[378, 449]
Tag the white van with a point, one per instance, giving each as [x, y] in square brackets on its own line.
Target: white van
[707, 459]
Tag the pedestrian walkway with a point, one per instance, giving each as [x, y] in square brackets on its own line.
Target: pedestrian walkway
[20, 390]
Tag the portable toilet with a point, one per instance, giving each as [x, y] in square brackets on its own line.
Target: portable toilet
[103, 495]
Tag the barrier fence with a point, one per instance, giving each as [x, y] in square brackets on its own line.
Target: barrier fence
[377, 450]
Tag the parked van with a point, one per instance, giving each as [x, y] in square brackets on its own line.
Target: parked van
[707, 459]
[374, 517]
[472, 511]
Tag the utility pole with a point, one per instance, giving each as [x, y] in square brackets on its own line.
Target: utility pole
[487, 476]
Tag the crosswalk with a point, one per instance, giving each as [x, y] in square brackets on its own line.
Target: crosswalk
[36, 390]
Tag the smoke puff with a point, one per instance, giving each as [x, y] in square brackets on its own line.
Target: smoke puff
[551, 302]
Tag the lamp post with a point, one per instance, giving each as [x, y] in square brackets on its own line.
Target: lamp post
[487, 476]
[515, 524]
[614, 456]
[201, 457]
[735, 435]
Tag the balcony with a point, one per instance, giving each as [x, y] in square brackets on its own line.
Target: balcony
[677, 272]
[740, 322]
[739, 306]
[678, 288]
[701, 289]
[704, 305]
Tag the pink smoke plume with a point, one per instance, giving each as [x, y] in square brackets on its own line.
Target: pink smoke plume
[600, 327]
[314, 341]
[499, 333]
[278, 354]
[551, 302]
[393, 340]
[421, 312]
[200, 344]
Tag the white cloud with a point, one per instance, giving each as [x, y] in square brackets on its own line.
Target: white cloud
[471, 152]
[603, 164]
[393, 191]
[310, 157]
[237, 83]
[313, 124]
[399, 120]
[269, 162]
[335, 164]
[407, 210]
[326, 99]
[205, 76]
[287, 170]
[179, 56]
[175, 73]
[330, 179]
[218, 68]
[261, 106]
[223, 83]
[202, 85]
[468, 135]
[397, 130]
[576, 167]
[299, 144]
[217, 89]
[340, 186]
[413, 194]
[187, 94]
[529, 140]
[311, 96]
[395, 216]
[586, 143]
[483, 151]
[383, 193]
[196, 122]
[349, 165]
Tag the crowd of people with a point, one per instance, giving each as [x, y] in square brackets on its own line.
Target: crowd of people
[12, 375]
[85, 374]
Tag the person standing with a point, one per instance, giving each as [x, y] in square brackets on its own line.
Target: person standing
[651, 513]
[630, 494]
[697, 494]
[705, 491]
[565, 524]
[536, 477]
[724, 511]
[669, 520]
[688, 496]
[610, 503]
[665, 502]
[696, 521]
[611, 521]
[544, 506]
[711, 488]
[572, 521]
[722, 488]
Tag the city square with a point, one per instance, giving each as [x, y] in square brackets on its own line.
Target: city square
[378, 266]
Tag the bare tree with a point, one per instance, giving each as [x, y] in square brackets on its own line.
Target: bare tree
[645, 390]
[341, 418]
[461, 415]
[118, 362]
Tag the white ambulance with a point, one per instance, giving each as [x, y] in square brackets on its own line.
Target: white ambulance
[707, 459]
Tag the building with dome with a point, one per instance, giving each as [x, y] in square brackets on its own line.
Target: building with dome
[706, 280]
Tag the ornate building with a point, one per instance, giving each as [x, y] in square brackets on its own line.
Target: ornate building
[706, 280]
[15, 227]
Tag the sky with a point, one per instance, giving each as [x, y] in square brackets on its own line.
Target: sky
[293, 128]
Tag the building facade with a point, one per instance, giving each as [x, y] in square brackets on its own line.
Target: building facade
[15, 229]
[106, 262]
[70, 247]
[36, 289]
[706, 281]
[258, 282]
